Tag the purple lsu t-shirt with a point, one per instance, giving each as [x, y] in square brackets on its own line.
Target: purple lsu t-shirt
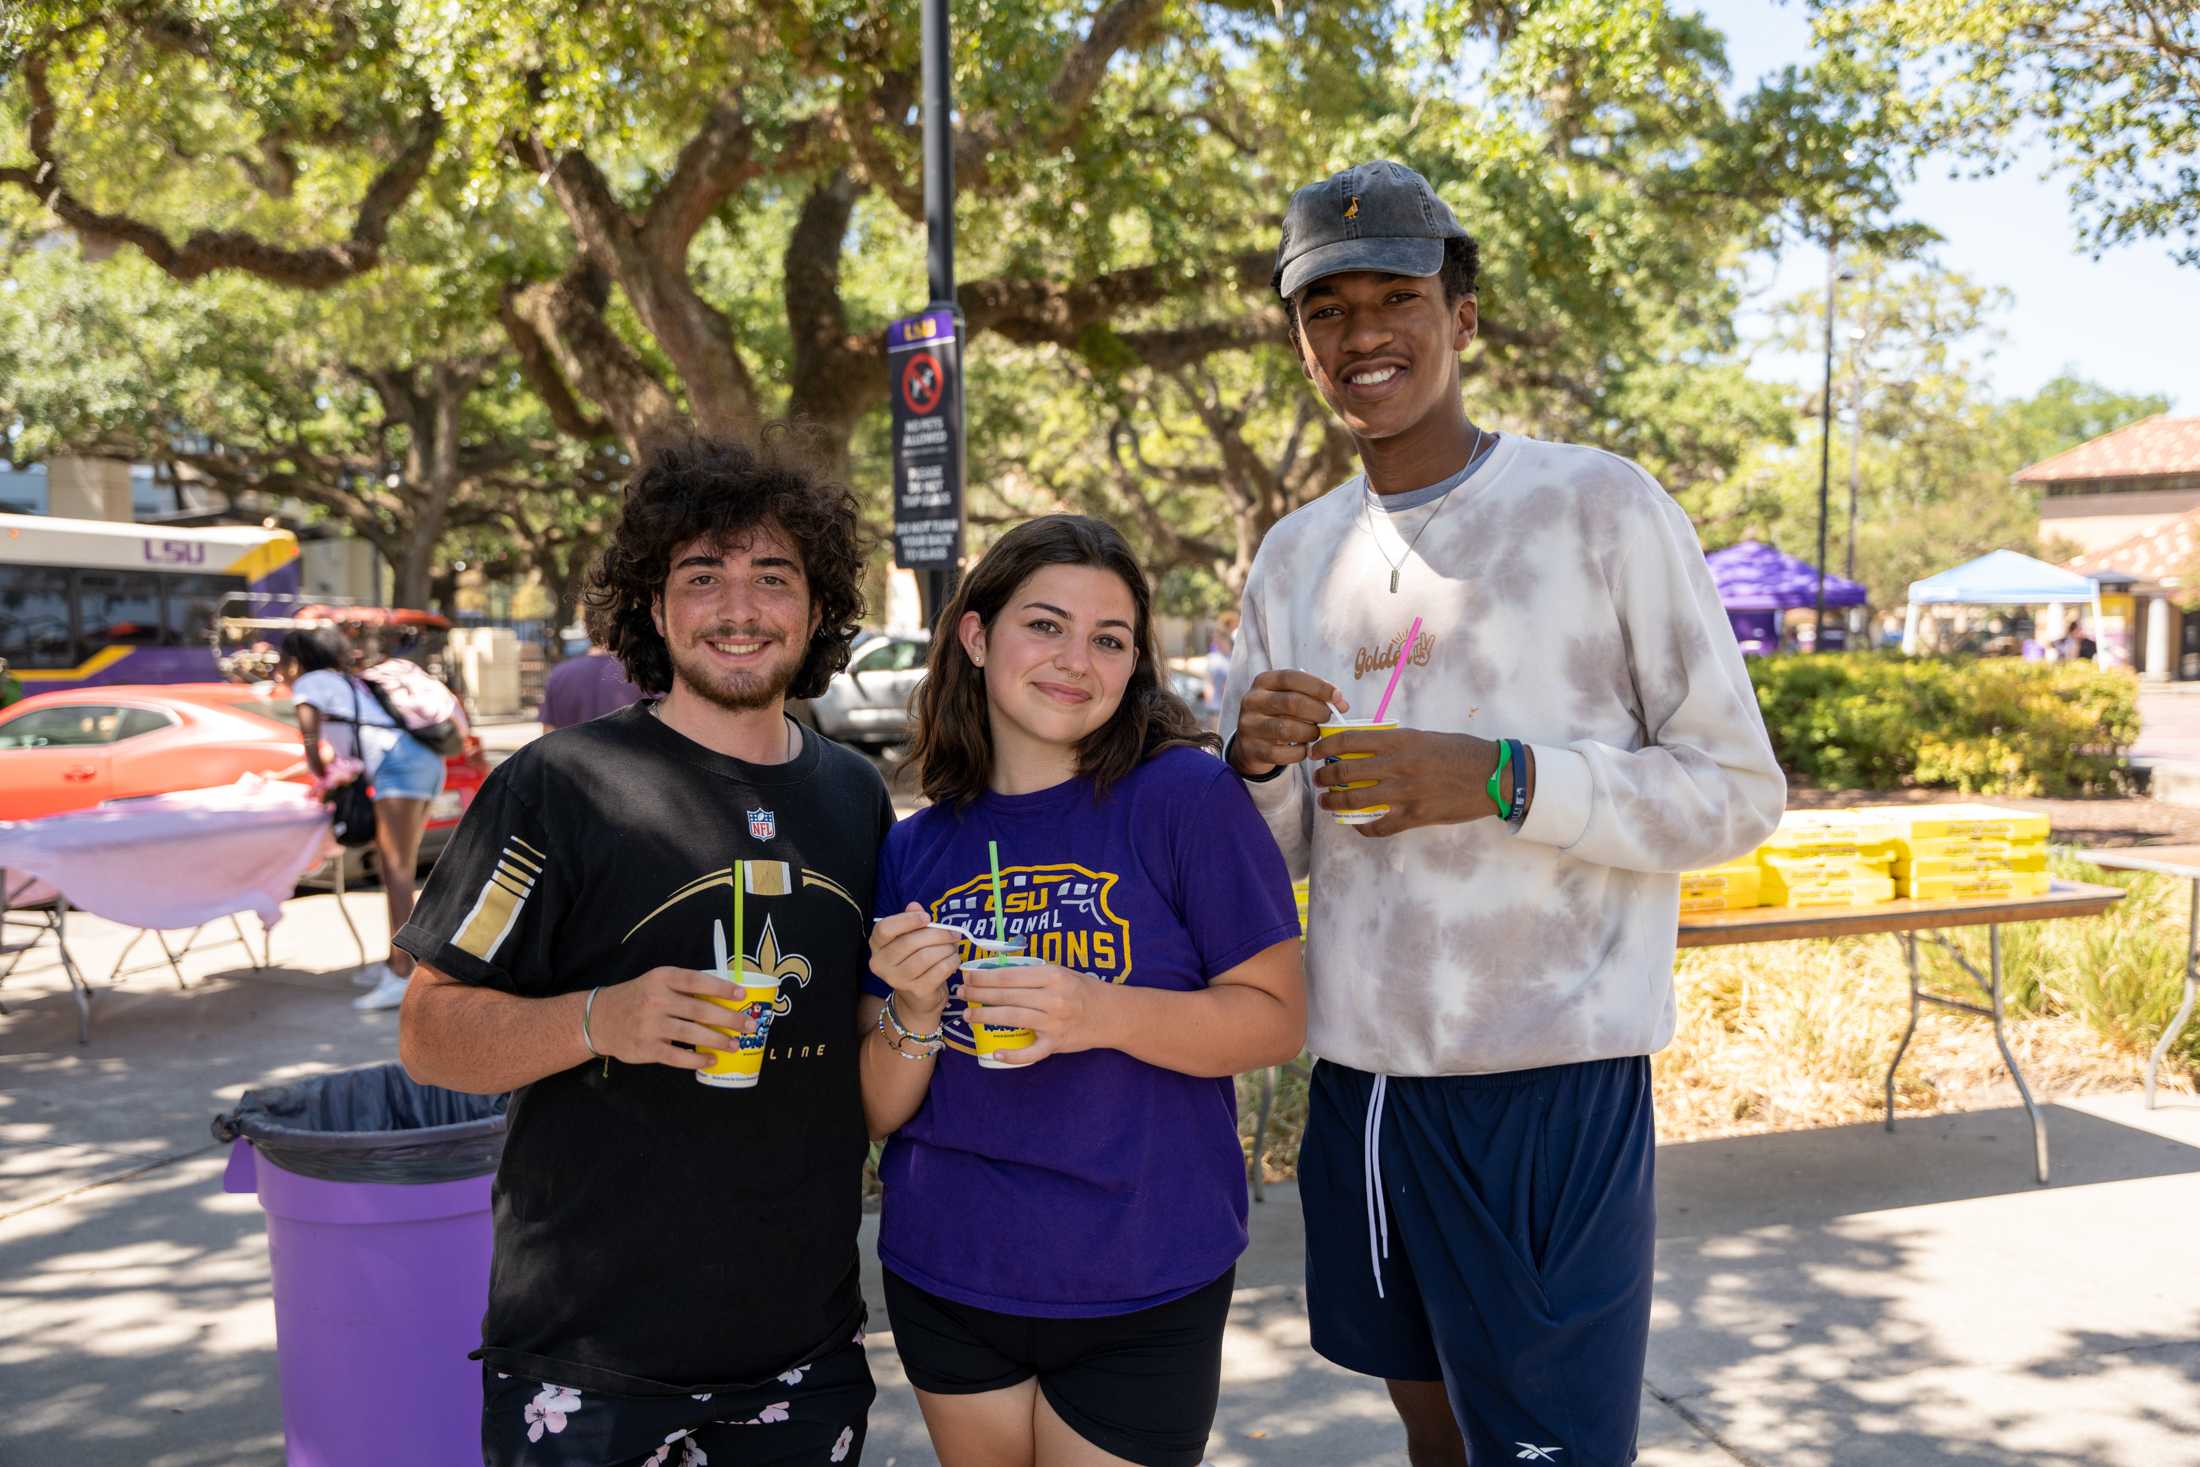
[1090, 1184]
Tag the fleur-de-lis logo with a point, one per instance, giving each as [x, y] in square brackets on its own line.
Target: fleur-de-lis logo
[773, 963]
[1352, 210]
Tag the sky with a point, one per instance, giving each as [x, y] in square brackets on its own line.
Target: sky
[2126, 321]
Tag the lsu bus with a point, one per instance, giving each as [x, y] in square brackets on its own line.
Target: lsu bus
[84, 602]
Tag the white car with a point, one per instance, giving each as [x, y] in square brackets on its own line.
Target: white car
[868, 703]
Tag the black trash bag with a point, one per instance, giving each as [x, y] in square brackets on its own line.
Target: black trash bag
[372, 1124]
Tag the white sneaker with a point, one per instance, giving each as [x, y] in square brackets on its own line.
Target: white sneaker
[387, 994]
[373, 975]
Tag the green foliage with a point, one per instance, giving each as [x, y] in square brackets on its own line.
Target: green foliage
[1930, 454]
[1589, 144]
[2111, 86]
[1874, 720]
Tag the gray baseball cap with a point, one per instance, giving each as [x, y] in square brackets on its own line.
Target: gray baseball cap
[1373, 216]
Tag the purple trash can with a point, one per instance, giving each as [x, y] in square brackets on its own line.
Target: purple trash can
[379, 1284]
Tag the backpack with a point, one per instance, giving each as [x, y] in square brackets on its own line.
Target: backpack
[423, 707]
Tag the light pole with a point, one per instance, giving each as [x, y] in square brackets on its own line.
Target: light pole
[1856, 439]
[939, 223]
[1825, 439]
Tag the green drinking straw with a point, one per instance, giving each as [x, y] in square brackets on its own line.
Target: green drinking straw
[1000, 918]
[740, 880]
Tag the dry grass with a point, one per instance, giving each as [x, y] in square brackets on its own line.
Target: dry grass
[1795, 1035]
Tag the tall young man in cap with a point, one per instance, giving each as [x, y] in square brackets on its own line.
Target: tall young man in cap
[1489, 963]
[674, 1279]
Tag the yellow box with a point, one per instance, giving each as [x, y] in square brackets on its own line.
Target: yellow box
[1822, 867]
[1806, 833]
[1722, 878]
[1727, 888]
[1980, 888]
[1933, 823]
[1849, 891]
[1719, 901]
[1993, 862]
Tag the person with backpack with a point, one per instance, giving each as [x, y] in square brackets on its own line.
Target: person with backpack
[402, 773]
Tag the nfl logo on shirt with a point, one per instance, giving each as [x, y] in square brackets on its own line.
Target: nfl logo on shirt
[763, 825]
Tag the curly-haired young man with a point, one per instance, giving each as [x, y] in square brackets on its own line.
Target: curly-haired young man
[675, 1264]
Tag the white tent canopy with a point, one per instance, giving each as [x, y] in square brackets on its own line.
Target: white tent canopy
[2002, 578]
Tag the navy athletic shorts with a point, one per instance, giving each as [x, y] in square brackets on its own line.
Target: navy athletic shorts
[1499, 1239]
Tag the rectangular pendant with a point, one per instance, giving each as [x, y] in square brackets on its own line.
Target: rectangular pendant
[1394, 580]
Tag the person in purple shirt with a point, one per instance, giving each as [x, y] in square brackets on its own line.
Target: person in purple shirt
[1059, 1238]
[580, 689]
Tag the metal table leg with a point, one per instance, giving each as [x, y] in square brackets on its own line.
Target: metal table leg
[1909, 951]
[79, 989]
[175, 958]
[2192, 984]
[1253, 1168]
[237, 923]
[344, 910]
[1990, 981]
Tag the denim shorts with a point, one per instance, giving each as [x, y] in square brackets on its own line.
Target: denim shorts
[409, 771]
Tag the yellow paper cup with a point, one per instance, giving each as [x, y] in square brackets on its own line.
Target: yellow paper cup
[1365, 813]
[741, 1066]
[993, 1040]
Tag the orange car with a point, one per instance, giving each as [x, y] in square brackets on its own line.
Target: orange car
[72, 749]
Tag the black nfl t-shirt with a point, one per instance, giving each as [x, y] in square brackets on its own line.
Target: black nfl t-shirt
[655, 1235]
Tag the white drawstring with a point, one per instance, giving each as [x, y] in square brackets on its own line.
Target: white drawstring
[1378, 1210]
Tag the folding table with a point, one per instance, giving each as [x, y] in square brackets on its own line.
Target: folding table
[162, 864]
[1910, 920]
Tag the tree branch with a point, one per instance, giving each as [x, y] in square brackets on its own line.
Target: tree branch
[695, 334]
[566, 316]
[208, 250]
[830, 383]
[714, 164]
[538, 364]
[1032, 311]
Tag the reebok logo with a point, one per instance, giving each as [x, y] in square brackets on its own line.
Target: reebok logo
[1530, 1452]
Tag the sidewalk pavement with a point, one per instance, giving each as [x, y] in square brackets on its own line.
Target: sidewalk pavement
[1836, 1298]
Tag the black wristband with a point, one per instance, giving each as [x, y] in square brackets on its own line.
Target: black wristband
[1248, 778]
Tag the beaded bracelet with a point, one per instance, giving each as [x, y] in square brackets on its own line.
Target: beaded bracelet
[937, 1038]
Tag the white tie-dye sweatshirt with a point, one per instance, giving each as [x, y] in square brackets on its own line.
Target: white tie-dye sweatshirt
[1564, 602]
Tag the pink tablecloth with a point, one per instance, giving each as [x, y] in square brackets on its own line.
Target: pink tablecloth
[174, 860]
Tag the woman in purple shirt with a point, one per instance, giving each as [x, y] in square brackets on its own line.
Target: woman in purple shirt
[1059, 1237]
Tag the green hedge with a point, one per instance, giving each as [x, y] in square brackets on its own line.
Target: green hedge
[1994, 725]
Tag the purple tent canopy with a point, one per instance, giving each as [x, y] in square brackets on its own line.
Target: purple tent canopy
[1752, 576]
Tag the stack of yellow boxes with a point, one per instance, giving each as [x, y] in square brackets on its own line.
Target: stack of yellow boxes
[1969, 852]
[1829, 858]
[1729, 888]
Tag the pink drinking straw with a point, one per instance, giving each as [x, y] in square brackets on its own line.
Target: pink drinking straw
[1403, 653]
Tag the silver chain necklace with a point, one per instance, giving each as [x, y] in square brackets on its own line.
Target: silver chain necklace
[656, 707]
[1368, 514]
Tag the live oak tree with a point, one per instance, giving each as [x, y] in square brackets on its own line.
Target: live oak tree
[711, 210]
[265, 396]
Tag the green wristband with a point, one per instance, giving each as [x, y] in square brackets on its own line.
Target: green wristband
[1504, 757]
